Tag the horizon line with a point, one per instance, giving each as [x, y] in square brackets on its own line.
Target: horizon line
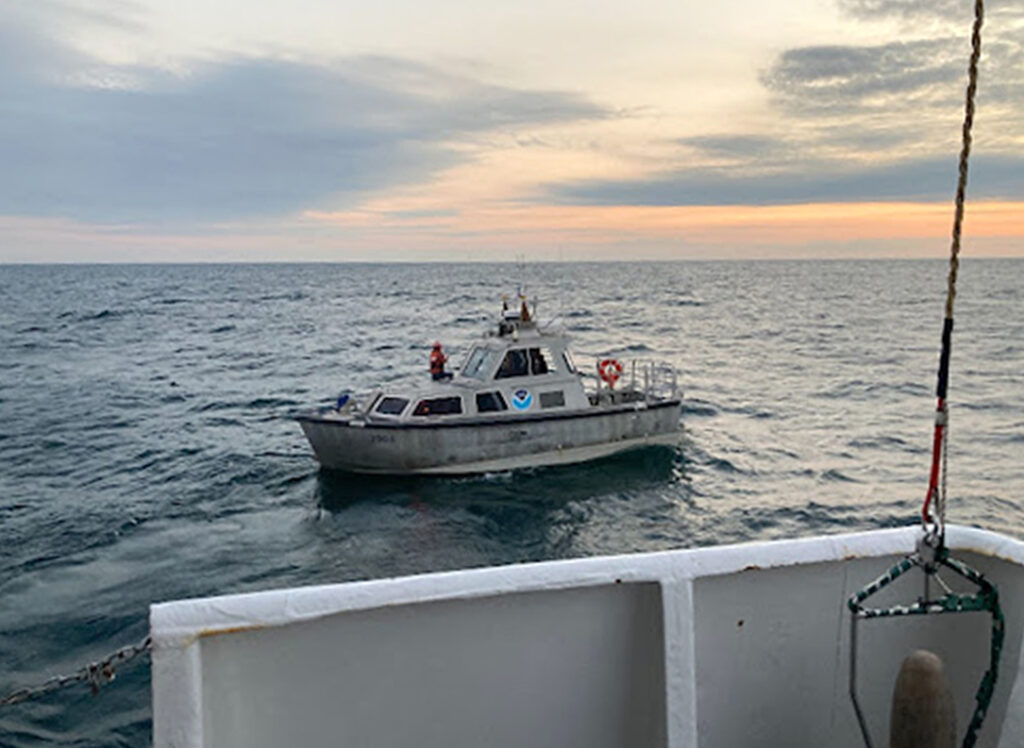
[647, 261]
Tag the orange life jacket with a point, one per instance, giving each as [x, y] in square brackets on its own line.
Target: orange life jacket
[437, 360]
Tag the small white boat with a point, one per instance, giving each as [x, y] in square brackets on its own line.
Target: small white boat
[517, 401]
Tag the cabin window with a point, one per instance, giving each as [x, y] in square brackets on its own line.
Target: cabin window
[392, 406]
[515, 364]
[553, 399]
[569, 363]
[489, 402]
[478, 363]
[541, 361]
[438, 406]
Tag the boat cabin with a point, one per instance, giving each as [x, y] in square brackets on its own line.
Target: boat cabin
[519, 368]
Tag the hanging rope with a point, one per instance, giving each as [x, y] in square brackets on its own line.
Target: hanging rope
[932, 554]
[934, 517]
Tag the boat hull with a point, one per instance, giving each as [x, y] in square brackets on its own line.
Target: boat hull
[483, 446]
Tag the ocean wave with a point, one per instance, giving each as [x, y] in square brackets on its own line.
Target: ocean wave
[148, 455]
[695, 407]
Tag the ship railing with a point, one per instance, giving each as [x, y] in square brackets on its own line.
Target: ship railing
[657, 379]
[646, 380]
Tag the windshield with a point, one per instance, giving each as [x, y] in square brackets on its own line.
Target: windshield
[478, 363]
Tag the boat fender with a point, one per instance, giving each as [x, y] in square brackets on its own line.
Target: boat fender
[610, 370]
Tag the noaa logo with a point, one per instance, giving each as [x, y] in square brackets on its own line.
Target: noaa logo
[522, 399]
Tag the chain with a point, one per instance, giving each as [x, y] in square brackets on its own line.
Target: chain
[96, 674]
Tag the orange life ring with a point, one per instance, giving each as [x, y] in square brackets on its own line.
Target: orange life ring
[609, 370]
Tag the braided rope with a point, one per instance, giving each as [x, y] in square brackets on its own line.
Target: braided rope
[965, 152]
[934, 519]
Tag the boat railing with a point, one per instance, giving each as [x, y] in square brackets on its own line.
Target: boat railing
[649, 380]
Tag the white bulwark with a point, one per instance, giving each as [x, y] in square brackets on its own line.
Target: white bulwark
[721, 647]
[518, 400]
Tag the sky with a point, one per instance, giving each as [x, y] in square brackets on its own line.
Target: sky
[403, 130]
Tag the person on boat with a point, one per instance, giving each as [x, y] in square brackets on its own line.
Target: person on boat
[437, 362]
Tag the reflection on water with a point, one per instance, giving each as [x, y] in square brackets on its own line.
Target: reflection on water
[400, 525]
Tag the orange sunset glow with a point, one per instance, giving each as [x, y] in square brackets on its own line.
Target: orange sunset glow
[144, 131]
[779, 225]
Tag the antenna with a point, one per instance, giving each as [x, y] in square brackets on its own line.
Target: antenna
[521, 276]
[561, 281]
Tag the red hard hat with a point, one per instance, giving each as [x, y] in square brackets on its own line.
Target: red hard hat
[437, 344]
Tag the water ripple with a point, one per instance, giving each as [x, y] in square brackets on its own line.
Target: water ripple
[147, 454]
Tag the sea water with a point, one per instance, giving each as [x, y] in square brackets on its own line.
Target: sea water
[146, 450]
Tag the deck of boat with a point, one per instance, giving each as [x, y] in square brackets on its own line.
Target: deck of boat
[729, 646]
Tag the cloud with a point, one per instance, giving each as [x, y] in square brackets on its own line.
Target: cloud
[740, 146]
[858, 122]
[236, 137]
[868, 9]
[845, 79]
[125, 15]
[905, 97]
[922, 179]
[930, 69]
[916, 10]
